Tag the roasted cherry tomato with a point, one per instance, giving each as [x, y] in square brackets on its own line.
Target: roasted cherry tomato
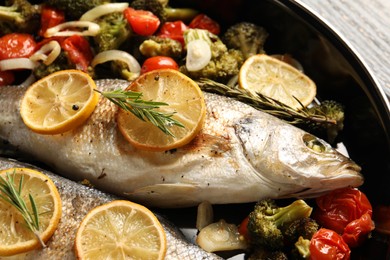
[16, 45]
[50, 17]
[6, 78]
[142, 22]
[243, 228]
[356, 232]
[202, 21]
[158, 62]
[174, 30]
[338, 208]
[79, 51]
[327, 244]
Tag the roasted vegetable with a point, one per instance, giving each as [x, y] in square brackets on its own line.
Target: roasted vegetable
[246, 37]
[221, 65]
[74, 9]
[19, 16]
[161, 46]
[163, 11]
[114, 30]
[267, 222]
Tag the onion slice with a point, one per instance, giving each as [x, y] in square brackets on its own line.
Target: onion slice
[17, 63]
[103, 9]
[198, 55]
[53, 49]
[112, 55]
[66, 29]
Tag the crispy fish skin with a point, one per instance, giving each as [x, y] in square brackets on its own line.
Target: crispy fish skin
[77, 201]
[241, 155]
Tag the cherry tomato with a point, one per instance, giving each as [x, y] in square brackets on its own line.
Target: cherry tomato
[159, 62]
[16, 45]
[356, 232]
[326, 244]
[79, 51]
[50, 17]
[142, 22]
[173, 30]
[338, 208]
[202, 21]
[243, 228]
[6, 78]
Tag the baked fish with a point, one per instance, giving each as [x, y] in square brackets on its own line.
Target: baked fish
[241, 155]
[77, 201]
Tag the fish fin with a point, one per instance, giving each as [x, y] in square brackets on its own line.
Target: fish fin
[174, 194]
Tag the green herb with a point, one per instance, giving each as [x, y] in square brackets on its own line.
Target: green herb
[305, 116]
[132, 101]
[13, 196]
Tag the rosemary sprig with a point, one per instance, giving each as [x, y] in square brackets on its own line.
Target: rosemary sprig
[132, 101]
[267, 104]
[13, 196]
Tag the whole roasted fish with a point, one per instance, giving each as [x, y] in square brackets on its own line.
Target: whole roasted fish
[241, 155]
[77, 201]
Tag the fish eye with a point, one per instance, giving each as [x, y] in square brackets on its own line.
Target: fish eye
[314, 143]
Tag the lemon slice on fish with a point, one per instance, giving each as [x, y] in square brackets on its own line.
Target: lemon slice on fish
[15, 236]
[59, 102]
[277, 79]
[120, 230]
[184, 98]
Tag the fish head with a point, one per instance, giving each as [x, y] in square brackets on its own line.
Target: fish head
[294, 162]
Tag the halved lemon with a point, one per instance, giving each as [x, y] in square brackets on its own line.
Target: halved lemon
[277, 79]
[120, 230]
[185, 99]
[59, 102]
[15, 236]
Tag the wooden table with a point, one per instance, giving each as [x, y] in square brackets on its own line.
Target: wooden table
[365, 24]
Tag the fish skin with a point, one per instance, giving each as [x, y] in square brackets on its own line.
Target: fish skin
[77, 201]
[241, 155]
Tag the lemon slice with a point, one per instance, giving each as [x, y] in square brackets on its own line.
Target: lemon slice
[120, 230]
[15, 236]
[278, 80]
[59, 102]
[185, 99]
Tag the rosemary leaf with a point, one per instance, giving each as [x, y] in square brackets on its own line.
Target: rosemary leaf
[132, 102]
[11, 195]
[267, 104]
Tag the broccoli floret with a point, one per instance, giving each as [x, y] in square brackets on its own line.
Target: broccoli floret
[267, 220]
[301, 249]
[163, 11]
[304, 227]
[161, 46]
[153, 6]
[224, 64]
[114, 31]
[334, 111]
[19, 16]
[60, 63]
[74, 9]
[247, 37]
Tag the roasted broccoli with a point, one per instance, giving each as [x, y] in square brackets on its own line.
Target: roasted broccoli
[19, 16]
[303, 227]
[74, 9]
[224, 64]
[163, 11]
[334, 111]
[246, 37]
[267, 221]
[60, 63]
[114, 30]
[161, 46]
